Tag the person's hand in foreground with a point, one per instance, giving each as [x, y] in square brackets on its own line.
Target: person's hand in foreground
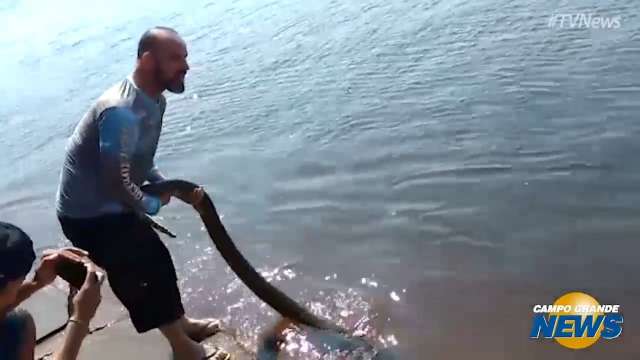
[46, 272]
[86, 302]
[85, 305]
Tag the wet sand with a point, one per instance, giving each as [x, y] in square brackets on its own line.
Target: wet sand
[112, 334]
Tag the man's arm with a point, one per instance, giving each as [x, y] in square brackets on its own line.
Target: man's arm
[46, 272]
[85, 305]
[74, 336]
[27, 289]
[118, 136]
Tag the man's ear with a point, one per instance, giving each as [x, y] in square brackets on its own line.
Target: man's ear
[147, 60]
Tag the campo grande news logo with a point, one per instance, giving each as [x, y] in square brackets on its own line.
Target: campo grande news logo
[576, 320]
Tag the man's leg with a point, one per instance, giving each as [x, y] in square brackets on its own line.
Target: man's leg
[160, 306]
[183, 347]
[141, 274]
[200, 329]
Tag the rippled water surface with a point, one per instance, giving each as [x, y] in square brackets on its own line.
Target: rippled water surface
[426, 170]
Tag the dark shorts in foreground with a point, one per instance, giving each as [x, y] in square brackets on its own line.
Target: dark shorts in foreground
[138, 265]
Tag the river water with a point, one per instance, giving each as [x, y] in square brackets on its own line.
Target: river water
[430, 169]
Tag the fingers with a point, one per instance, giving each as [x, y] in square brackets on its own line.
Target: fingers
[100, 276]
[67, 255]
[71, 252]
[76, 251]
[49, 256]
[48, 252]
[92, 278]
[197, 195]
[192, 197]
[88, 298]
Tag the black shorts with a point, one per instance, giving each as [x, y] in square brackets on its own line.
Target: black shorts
[138, 265]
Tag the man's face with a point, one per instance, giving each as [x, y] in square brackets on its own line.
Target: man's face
[170, 63]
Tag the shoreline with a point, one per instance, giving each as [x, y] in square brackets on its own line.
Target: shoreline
[477, 319]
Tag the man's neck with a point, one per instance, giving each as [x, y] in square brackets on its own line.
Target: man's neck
[148, 87]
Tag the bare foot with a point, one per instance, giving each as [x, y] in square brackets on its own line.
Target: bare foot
[198, 330]
[189, 351]
[216, 353]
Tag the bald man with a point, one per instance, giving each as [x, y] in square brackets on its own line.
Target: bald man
[109, 156]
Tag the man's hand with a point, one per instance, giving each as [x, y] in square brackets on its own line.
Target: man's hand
[46, 272]
[165, 198]
[194, 197]
[85, 303]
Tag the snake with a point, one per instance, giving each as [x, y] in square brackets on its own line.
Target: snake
[267, 292]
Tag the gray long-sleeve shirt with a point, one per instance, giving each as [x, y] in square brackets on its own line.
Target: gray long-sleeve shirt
[110, 154]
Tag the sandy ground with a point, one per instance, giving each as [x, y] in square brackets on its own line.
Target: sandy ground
[113, 336]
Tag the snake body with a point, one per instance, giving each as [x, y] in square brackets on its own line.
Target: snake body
[268, 293]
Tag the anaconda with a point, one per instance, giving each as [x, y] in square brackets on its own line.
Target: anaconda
[267, 292]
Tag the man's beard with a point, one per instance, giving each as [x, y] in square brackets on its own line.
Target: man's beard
[176, 87]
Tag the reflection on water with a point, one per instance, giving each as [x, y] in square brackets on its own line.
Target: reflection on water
[248, 317]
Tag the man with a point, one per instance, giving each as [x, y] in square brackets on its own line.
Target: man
[109, 156]
[17, 328]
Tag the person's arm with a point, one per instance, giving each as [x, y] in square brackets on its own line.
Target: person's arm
[73, 338]
[27, 289]
[118, 136]
[85, 305]
[44, 275]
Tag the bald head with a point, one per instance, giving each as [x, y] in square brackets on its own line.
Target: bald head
[162, 56]
[150, 39]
